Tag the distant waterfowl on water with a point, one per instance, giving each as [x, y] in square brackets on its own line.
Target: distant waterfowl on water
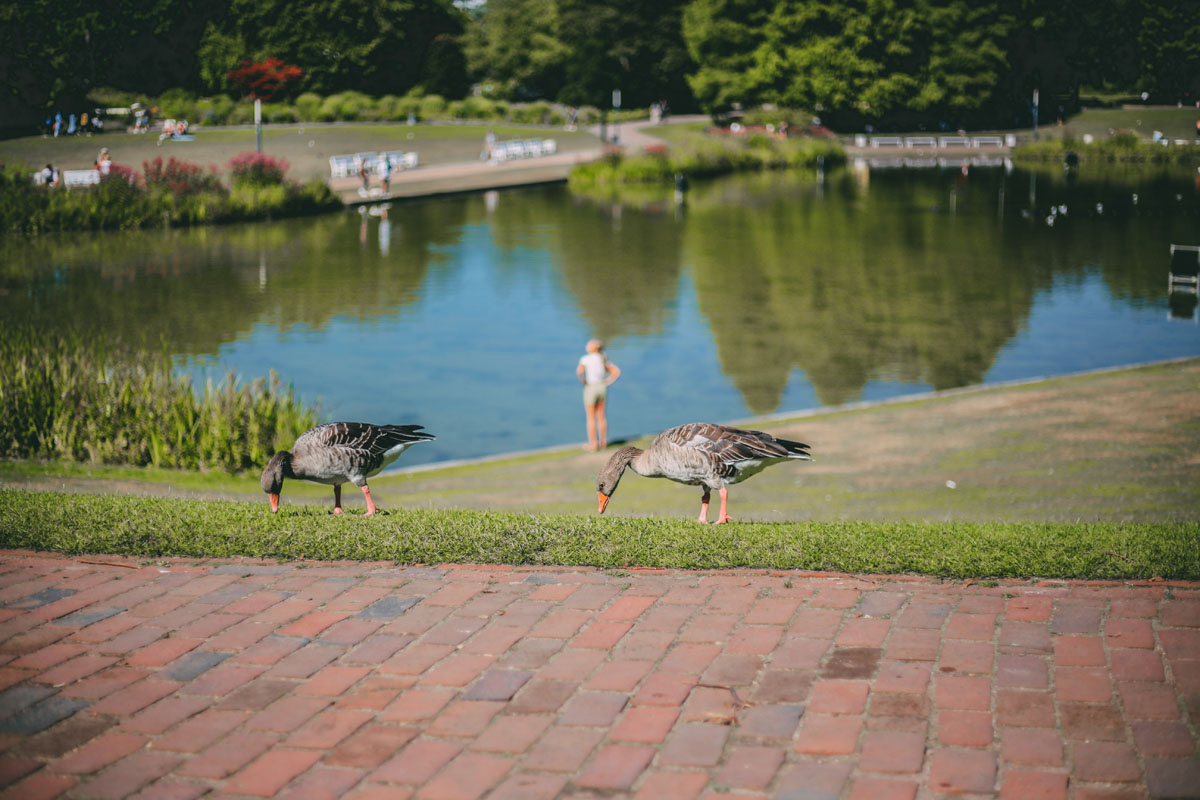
[340, 452]
[701, 454]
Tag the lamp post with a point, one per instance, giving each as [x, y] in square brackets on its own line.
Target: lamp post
[616, 115]
[258, 123]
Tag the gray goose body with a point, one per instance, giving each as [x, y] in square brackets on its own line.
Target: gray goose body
[701, 454]
[341, 452]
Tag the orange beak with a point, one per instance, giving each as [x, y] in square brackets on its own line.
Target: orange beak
[274, 502]
[603, 500]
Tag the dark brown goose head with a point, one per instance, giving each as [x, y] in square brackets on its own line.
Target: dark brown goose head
[278, 468]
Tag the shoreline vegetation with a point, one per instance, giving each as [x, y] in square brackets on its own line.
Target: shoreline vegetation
[165, 194]
[62, 397]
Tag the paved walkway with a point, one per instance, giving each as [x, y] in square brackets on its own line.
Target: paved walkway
[181, 680]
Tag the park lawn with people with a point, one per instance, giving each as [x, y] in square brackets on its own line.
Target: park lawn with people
[1087, 476]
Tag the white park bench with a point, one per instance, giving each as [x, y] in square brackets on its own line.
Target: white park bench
[523, 148]
[954, 141]
[987, 141]
[347, 166]
[80, 177]
[919, 141]
[886, 141]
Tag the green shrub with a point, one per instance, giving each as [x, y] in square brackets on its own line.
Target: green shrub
[308, 106]
[279, 113]
[432, 106]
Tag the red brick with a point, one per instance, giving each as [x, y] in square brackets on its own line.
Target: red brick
[562, 749]
[1032, 609]
[664, 689]
[271, 772]
[1132, 608]
[1129, 633]
[649, 724]
[322, 783]
[495, 639]
[979, 627]
[835, 598]
[1177, 644]
[1149, 701]
[333, 680]
[165, 713]
[892, 751]
[512, 733]
[130, 774]
[371, 746]
[800, 653]
[328, 728]
[1082, 684]
[465, 718]
[453, 594]
[457, 670]
[1078, 651]
[561, 624]
[593, 708]
[672, 786]
[71, 671]
[222, 679]
[162, 652]
[1025, 709]
[104, 683]
[627, 608]
[965, 657]
[960, 771]
[1032, 746]
[50, 655]
[620, 676]
[965, 728]
[418, 704]
[731, 600]
[100, 752]
[415, 659]
[601, 635]
[968, 694]
[750, 767]
[1166, 739]
[200, 731]
[914, 645]
[286, 714]
[772, 611]
[825, 735]
[1024, 637]
[553, 592]
[305, 661]
[838, 697]
[227, 755]
[1136, 665]
[695, 745]
[1034, 786]
[454, 630]
[810, 778]
[1091, 721]
[1022, 672]
[542, 696]
[40, 786]
[758, 639]
[882, 789]
[269, 650]
[615, 767]
[1104, 761]
[208, 626]
[731, 669]
[1181, 613]
[467, 777]
[815, 623]
[419, 761]
[902, 676]
[864, 632]
[134, 697]
[570, 665]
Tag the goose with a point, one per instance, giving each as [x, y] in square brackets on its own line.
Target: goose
[338, 452]
[700, 454]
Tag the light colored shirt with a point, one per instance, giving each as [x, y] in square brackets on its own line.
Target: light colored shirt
[595, 367]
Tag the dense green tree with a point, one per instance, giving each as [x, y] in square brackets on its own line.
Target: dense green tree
[514, 47]
[1168, 47]
[378, 47]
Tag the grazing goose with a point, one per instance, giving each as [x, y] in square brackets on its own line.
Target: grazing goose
[339, 452]
[700, 454]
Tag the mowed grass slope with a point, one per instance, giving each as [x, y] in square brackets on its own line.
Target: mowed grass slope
[1092, 476]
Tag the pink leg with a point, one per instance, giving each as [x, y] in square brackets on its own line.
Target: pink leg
[724, 500]
[371, 509]
[704, 508]
[337, 498]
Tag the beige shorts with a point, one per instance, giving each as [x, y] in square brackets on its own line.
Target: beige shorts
[593, 393]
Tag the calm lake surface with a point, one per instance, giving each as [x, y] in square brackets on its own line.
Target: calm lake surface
[764, 293]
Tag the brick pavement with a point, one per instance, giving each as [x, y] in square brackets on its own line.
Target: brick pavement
[252, 679]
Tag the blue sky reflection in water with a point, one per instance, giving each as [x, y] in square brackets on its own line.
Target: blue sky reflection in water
[768, 293]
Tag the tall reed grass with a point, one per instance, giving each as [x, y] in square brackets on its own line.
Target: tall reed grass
[64, 398]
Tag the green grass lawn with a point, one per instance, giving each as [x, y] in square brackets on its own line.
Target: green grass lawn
[307, 147]
[78, 524]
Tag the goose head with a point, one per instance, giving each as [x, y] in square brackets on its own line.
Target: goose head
[610, 476]
[278, 468]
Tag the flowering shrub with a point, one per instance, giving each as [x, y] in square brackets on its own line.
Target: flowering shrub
[257, 169]
[121, 173]
[180, 177]
[264, 80]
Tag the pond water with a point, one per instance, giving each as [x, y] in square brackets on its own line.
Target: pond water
[763, 293]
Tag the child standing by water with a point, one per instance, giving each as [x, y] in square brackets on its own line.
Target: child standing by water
[596, 374]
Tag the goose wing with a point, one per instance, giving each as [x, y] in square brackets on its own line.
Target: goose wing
[354, 448]
[727, 449]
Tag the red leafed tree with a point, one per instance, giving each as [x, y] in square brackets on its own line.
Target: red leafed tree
[265, 80]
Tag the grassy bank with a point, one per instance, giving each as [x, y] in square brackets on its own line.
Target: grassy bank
[64, 398]
[1123, 148]
[79, 524]
[171, 193]
[697, 155]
